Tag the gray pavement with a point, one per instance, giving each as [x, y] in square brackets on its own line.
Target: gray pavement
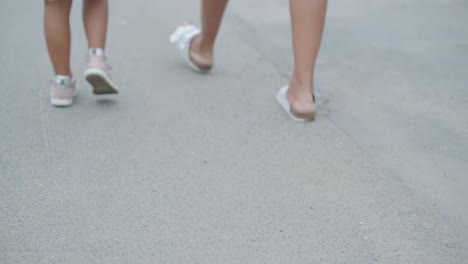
[186, 168]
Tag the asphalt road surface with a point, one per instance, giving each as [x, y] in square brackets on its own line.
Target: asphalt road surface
[188, 168]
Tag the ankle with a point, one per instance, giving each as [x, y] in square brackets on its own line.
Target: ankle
[64, 73]
[96, 52]
[63, 79]
[297, 83]
[202, 46]
[301, 90]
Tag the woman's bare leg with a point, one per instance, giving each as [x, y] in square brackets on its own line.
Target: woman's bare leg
[201, 50]
[308, 18]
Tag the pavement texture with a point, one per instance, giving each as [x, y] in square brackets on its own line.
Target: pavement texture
[189, 168]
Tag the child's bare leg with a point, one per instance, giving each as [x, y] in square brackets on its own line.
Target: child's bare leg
[95, 17]
[57, 33]
[203, 44]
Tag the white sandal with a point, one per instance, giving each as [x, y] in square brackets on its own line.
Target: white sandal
[182, 37]
[282, 98]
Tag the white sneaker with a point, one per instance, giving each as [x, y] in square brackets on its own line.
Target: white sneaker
[62, 93]
[98, 75]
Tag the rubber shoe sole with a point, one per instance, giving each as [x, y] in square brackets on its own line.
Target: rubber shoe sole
[61, 102]
[100, 82]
